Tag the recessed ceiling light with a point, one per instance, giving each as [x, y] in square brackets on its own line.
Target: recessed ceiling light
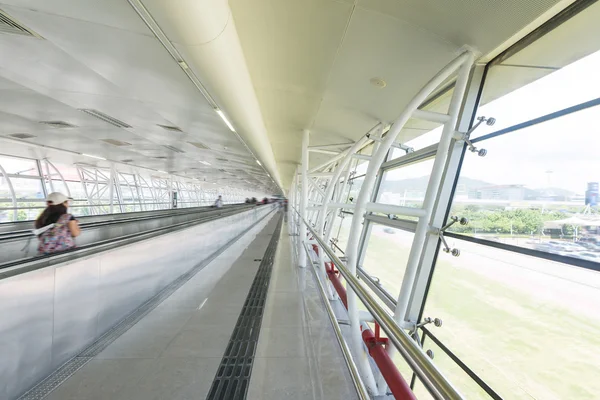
[380, 83]
[22, 135]
[204, 162]
[259, 163]
[93, 156]
[224, 118]
[162, 172]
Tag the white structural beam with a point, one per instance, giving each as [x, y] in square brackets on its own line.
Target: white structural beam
[431, 116]
[321, 174]
[303, 197]
[335, 153]
[332, 146]
[435, 179]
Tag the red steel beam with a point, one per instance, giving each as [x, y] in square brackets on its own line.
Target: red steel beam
[388, 369]
[398, 386]
[337, 283]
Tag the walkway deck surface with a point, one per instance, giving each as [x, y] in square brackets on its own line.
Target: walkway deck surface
[175, 350]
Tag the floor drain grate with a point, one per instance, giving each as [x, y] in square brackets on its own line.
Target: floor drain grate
[233, 376]
[55, 379]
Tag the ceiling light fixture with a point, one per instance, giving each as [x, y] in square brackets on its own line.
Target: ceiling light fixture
[204, 162]
[164, 40]
[224, 118]
[93, 156]
[259, 163]
[162, 172]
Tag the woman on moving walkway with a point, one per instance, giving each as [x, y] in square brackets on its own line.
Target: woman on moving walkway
[56, 228]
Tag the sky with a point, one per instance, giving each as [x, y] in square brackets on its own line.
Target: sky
[561, 153]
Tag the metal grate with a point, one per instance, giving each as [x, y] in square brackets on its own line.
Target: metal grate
[105, 117]
[175, 149]
[22, 135]
[171, 128]
[58, 124]
[51, 382]
[233, 376]
[199, 145]
[11, 26]
[115, 142]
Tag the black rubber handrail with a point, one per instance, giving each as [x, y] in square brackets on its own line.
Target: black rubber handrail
[159, 214]
[125, 239]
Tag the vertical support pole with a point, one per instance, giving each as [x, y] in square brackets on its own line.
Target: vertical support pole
[12, 192]
[111, 188]
[60, 175]
[303, 198]
[48, 177]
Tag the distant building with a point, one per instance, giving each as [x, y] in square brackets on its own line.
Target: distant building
[499, 192]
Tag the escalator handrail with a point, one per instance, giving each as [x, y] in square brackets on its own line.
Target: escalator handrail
[126, 239]
[25, 233]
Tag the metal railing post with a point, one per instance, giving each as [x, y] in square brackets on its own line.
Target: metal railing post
[303, 198]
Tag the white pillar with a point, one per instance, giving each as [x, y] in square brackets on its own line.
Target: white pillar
[111, 188]
[303, 198]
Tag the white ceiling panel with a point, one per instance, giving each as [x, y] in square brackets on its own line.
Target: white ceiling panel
[101, 56]
[311, 63]
[290, 55]
[113, 13]
[482, 24]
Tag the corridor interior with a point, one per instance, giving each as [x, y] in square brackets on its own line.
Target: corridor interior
[175, 350]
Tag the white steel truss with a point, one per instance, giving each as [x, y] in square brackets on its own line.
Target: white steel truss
[318, 194]
[105, 190]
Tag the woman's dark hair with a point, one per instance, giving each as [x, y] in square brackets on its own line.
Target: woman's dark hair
[50, 215]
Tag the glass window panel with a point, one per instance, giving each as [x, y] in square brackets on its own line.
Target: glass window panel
[76, 189]
[569, 86]
[69, 172]
[56, 186]
[27, 188]
[406, 186]
[469, 388]
[19, 166]
[341, 231]
[420, 142]
[5, 192]
[353, 189]
[6, 215]
[530, 189]
[386, 256]
[528, 327]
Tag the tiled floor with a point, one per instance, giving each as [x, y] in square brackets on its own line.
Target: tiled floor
[174, 352]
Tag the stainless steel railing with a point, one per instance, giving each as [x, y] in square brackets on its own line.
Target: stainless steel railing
[435, 382]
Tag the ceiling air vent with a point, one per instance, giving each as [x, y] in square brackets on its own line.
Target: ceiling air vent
[22, 135]
[116, 142]
[175, 149]
[161, 158]
[223, 159]
[127, 160]
[11, 26]
[199, 145]
[170, 128]
[58, 124]
[222, 170]
[105, 118]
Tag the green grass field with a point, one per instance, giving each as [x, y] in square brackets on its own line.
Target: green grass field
[522, 346]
